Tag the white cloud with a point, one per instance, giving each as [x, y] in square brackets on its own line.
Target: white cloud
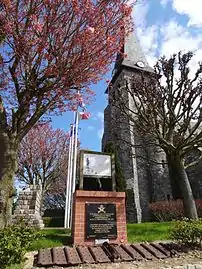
[171, 29]
[170, 37]
[139, 14]
[176, 38]
[147, 35]
[164, 2]
[191, 8]
[194, 61]
[184, 43]
[148, 38]
[100, 116]
[100, 133]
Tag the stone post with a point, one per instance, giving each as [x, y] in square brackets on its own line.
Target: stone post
[28, 207]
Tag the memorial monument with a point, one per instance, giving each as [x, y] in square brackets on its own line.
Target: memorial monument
[98, 210]
[28, 207]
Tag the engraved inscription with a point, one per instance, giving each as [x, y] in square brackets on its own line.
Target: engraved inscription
[101, 221]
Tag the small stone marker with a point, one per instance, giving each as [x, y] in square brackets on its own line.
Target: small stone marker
[28, 207]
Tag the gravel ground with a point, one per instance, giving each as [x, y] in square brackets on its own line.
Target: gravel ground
[192, 260]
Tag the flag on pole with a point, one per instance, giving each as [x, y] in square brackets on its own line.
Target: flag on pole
[81, 103]
[84, 115]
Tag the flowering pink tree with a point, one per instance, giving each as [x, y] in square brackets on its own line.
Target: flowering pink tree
[55, 195]
[50, 48]
[42, 159]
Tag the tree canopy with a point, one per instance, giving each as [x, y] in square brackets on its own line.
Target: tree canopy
[42, 158]
[52, 48]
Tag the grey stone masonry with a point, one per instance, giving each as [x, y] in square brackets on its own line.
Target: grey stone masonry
[28, 207]
[143, 163]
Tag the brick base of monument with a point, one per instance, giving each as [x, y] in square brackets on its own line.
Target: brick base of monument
[81, 198]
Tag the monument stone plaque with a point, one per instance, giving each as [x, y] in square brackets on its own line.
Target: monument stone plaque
[101, 221]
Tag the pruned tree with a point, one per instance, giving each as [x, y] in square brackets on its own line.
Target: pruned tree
[49, 49]
[43, 158]
[167, 106]
[55, 197]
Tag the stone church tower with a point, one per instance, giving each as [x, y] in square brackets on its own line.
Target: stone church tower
[143, 164]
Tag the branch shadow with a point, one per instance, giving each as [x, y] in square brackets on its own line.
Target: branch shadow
[63, 239]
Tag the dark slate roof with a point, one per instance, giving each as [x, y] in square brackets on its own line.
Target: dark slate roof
[134, 54]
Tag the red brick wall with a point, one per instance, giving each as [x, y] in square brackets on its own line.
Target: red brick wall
[79, 221]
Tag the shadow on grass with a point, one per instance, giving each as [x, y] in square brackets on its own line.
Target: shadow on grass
[52, 238]
[63, 239]
[46, 231]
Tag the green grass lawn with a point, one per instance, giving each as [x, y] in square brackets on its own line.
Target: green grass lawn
[142, 232]
[149, 231]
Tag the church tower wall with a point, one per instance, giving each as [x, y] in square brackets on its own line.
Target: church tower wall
[146, 180]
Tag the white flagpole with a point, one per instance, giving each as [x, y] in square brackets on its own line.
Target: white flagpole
[75, 152]
[73, 165]
[74, 162]
[71, 177]
[68, 181]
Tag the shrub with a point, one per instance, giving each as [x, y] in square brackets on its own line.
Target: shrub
[55, 212]
[46, 221]
[14, 241]
[171, 210]
[167, 210]
[187, 232]
[119, 175]
[53, 221]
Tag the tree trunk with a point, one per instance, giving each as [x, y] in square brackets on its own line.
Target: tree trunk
[188, 199]
[174, 180]
[8, 167]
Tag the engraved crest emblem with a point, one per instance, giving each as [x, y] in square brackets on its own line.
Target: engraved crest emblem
[101, 209]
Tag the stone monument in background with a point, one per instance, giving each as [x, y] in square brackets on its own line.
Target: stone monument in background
[28, 207]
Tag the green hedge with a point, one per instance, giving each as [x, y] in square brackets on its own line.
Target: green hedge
[53, 221]
[119, 175]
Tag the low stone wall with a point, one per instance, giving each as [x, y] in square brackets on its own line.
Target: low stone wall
[28, 207]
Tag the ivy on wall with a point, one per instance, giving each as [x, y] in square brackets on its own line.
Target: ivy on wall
[119, 176]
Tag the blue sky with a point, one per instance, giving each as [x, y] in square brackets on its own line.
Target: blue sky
[163, 28]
